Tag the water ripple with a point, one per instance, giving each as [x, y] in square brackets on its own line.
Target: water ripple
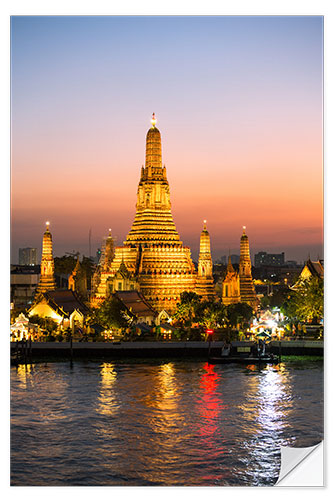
[159, 423]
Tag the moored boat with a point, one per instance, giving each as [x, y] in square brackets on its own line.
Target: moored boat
[255, 354]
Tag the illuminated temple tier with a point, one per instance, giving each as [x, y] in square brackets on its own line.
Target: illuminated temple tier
[46, 281]
[153, 259]
[205, 283]
[247, 290]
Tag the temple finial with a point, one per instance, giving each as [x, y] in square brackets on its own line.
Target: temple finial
[244, 227]
[153, 120]
[230, 268]
[47, 225]
[205, 227]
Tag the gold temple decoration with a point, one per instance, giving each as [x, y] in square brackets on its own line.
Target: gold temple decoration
[230, 286]
[239, 287]
[247, 290]
[46, 281]
[152, 259]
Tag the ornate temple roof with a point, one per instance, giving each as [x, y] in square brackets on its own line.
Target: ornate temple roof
[230, 269]
[316, 268]
[123, 271]
[65, 301]
[136, 303]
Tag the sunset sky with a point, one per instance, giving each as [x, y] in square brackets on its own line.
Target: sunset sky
[239, 106]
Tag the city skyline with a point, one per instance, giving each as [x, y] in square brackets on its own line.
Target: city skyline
[233, 97]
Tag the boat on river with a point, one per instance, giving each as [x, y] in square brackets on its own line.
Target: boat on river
[256, 354]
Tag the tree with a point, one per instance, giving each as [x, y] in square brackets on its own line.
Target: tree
[239, 313]
[89, 267]
[310, 299]
[46, 323]
[112, 314]
[289, 306]
[187, 309]
[210, 314]
[277, 298]
[64, 265]
[15, 312]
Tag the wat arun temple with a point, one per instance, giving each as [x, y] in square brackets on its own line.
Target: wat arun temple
[153, 259]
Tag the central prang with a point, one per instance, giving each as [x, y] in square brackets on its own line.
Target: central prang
[156, 261]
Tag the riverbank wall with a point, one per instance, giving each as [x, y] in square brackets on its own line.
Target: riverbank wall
[107, 350]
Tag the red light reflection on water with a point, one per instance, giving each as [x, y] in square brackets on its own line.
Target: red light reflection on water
[209, 380]
[211, 403]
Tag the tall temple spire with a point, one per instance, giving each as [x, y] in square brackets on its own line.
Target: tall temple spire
[153, 220]
[157, 263]
[205, 249]
[245, 260]
[205, 283]
[247, 290]
[108, 250]
[47, 281]
[153, 149]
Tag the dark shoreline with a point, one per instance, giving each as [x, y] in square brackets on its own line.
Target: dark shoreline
[174, 350]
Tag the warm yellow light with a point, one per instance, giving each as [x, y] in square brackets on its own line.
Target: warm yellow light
[153, 120]
[244, 227]
[47, 223]
[205, 221]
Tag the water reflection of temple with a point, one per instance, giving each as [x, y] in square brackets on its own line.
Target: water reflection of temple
[107, 397]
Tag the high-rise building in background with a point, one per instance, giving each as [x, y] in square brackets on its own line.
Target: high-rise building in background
[268, 259]
[28, 256]
[23, 284]
[222, 260]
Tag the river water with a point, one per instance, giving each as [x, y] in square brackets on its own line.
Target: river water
[166, 423]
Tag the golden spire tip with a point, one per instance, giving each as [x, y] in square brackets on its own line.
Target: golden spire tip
[153, 120]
